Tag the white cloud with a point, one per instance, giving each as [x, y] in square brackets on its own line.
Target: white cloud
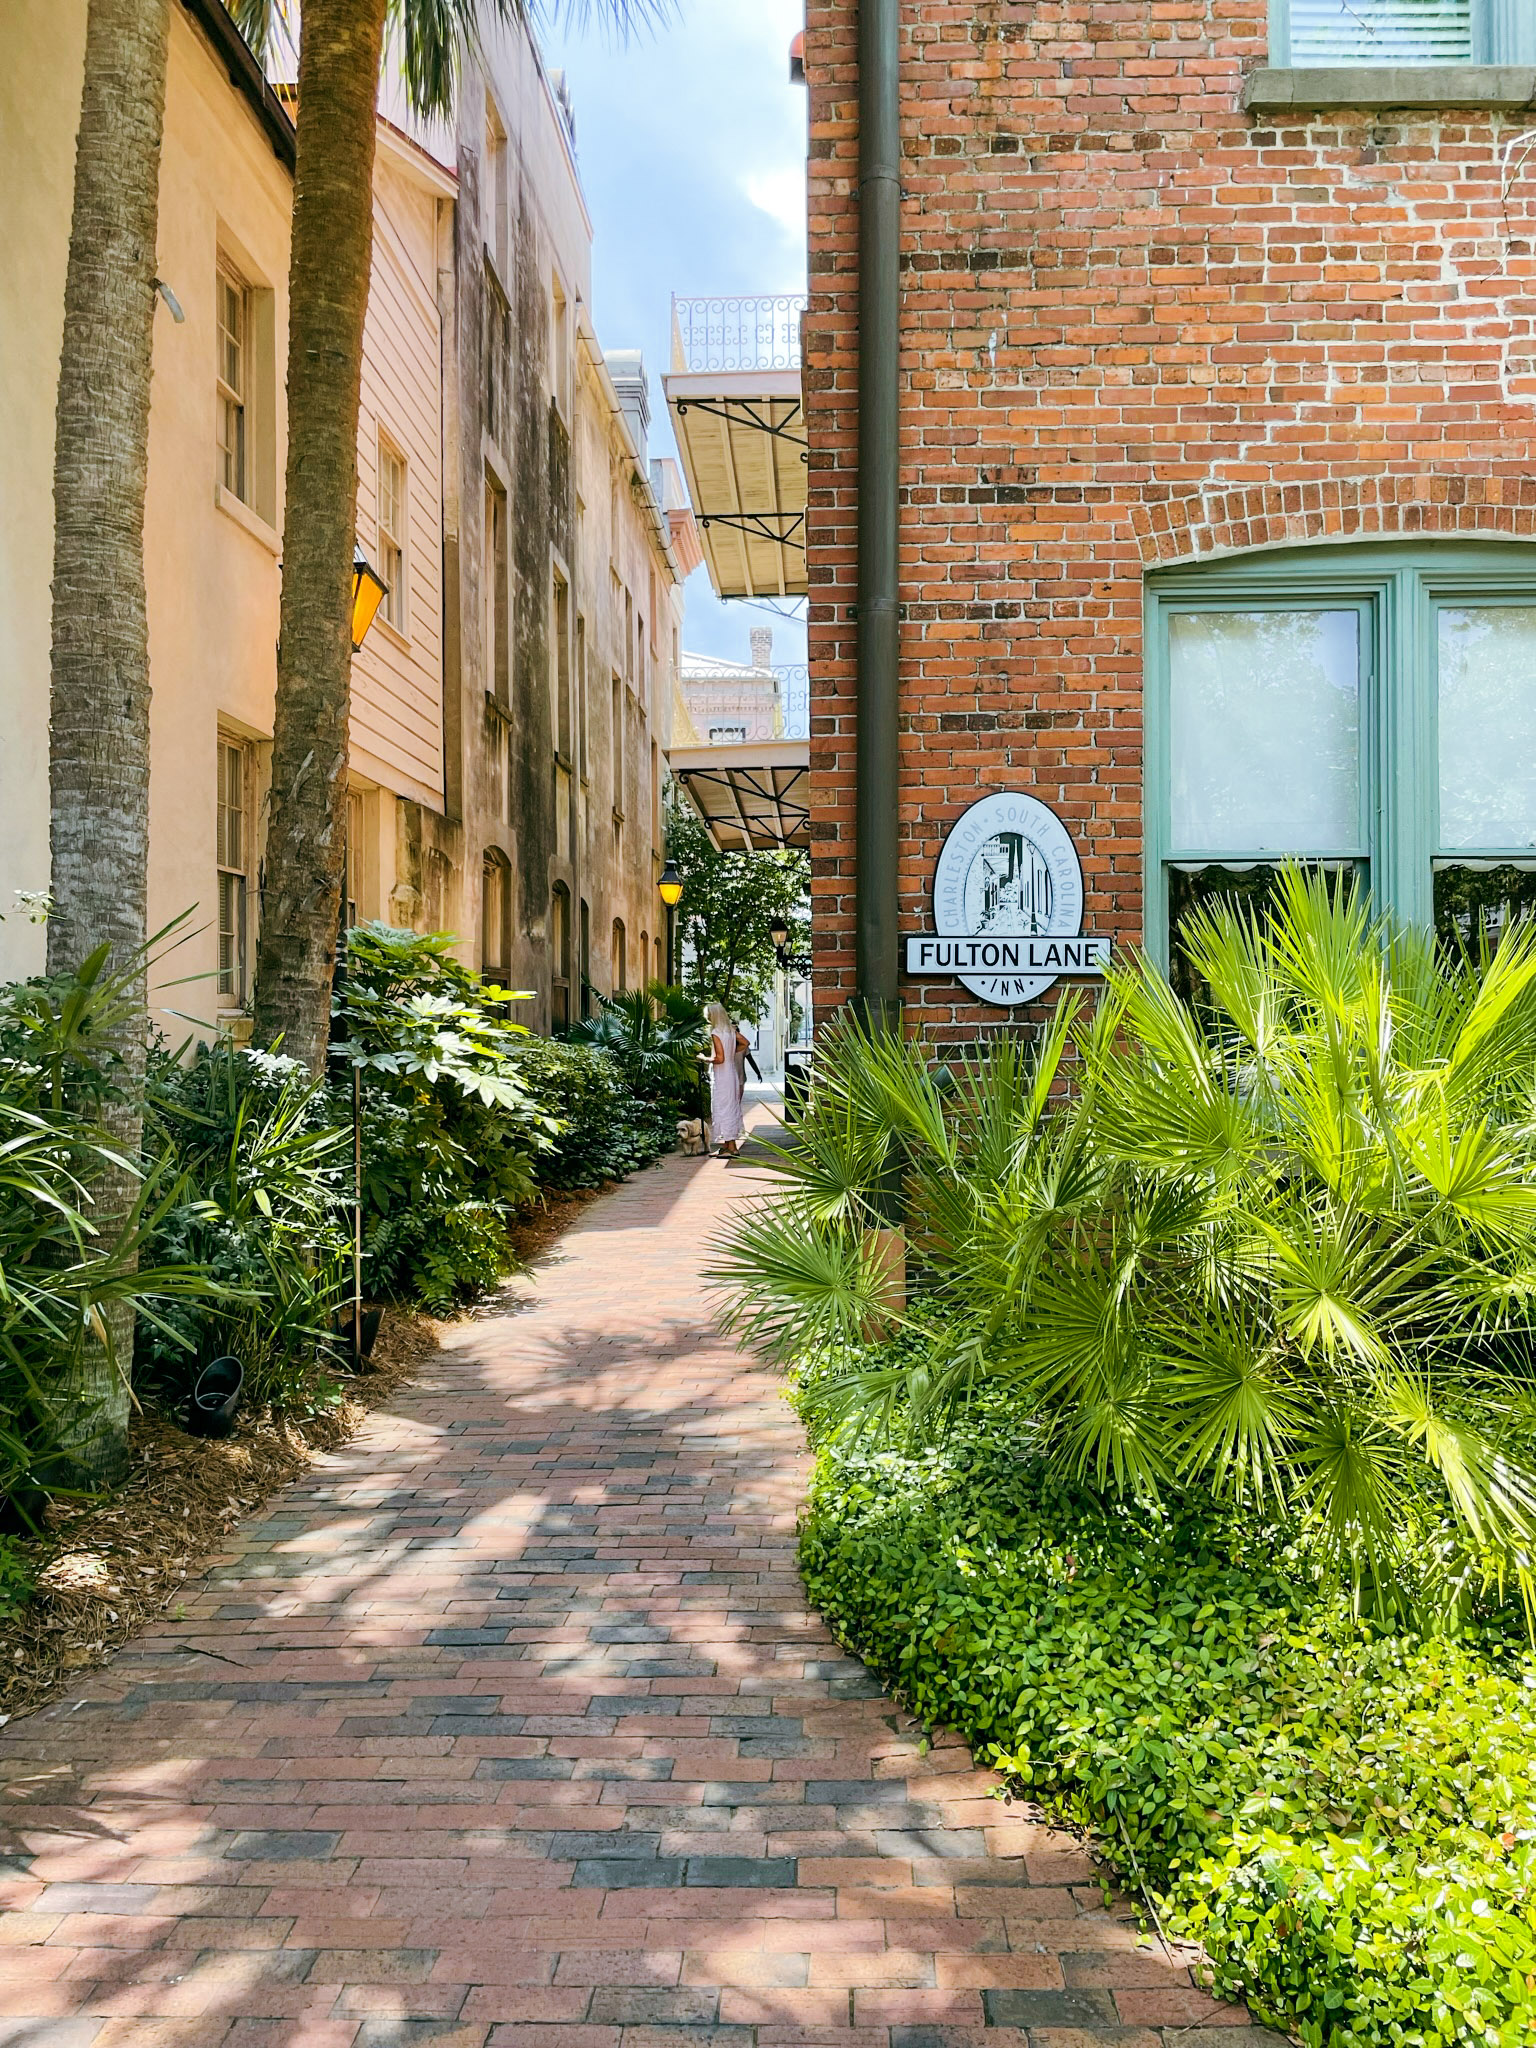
[780, 193]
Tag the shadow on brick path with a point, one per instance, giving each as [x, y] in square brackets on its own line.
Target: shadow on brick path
[508, 1727]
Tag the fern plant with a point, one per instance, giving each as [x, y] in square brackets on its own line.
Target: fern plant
[1281, 1246]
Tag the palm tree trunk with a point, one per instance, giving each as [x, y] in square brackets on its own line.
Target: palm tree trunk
[339, 49]
[98, 769]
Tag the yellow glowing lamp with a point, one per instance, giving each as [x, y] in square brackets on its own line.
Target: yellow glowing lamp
[671, 885]
[369, 591]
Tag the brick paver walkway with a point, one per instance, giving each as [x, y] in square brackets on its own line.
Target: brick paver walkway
[508, 1728]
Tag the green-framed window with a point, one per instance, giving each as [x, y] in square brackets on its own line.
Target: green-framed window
[1334, 32]
[1365, 708]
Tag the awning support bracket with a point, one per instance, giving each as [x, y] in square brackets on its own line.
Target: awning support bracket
[743, 412]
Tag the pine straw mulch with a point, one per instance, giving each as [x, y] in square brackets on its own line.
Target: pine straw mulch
[105, 1572]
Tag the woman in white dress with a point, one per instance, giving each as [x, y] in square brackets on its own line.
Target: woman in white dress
[727, 1074]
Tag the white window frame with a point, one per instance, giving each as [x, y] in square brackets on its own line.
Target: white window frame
[233, 393]
[394, 563]
[232, 860]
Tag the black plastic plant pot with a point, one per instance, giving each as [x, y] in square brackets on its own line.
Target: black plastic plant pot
[216, 1398]
[359, 1355]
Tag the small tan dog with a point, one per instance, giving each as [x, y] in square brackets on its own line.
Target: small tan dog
[691, 1136]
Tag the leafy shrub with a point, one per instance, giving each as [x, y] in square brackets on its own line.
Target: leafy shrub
[1279, 1246]
[1346, 1818]
[606, 1132]
[59, 1277]
[259, 1210]
[451, 1129]
[16, 1581]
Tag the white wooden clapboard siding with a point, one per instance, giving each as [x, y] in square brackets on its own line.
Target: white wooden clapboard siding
[397, 687]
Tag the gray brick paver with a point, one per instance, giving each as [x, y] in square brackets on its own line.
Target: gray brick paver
[531, 1741]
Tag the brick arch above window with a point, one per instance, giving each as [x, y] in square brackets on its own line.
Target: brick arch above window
[1206, 525]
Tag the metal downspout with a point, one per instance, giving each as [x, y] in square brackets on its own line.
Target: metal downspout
[876, 948]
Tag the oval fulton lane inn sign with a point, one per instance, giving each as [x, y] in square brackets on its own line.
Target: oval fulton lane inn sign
[1007, 904]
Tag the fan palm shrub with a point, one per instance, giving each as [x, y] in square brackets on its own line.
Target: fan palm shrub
[656, 1034]
[1280, 1245]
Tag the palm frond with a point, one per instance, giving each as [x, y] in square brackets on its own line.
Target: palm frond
[793, 1283]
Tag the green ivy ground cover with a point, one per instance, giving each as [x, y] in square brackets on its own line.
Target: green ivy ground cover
[1345, 1818]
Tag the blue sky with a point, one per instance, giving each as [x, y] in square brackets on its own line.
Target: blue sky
[692, 148]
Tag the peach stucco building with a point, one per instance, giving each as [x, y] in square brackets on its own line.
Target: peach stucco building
[217, 451]
[511, 705]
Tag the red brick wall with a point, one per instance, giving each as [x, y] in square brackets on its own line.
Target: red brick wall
[1139, 326]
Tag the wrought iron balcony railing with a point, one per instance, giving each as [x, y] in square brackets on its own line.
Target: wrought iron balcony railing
[733, 713]
[737, 334]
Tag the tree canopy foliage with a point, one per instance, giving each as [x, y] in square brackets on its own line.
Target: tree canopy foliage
[729, 903]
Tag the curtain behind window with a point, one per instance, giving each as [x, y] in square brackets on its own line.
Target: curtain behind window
[1381, 31]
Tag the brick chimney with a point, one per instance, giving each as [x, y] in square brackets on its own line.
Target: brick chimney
[762, 647]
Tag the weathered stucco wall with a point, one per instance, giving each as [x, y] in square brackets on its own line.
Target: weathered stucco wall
[563, 798]
[39, 111]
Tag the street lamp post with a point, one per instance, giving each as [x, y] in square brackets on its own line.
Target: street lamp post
[671, 888]
[778, 932]
[369, 591]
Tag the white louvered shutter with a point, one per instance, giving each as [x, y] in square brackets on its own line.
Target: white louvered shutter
[1381, 31]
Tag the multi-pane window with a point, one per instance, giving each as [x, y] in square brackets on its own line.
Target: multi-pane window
[1362, 710]
[560, 957]
[620, 962]
[583, 736]
[495, 914]
[234, 322]
[1333, 32]
[494, 591]
[498, 355]
[493, 196]
[393, 505]
[560, 663]
[617, 716]
[233, 837]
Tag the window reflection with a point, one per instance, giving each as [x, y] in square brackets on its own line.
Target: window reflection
[1264, 731]
[1249, 889]
[1477, 901]
[1487, 703]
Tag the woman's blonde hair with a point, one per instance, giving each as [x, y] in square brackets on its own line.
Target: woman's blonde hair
[720, 1019]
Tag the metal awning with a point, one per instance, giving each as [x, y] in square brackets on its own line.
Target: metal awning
[734, 397]
[753, 797]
